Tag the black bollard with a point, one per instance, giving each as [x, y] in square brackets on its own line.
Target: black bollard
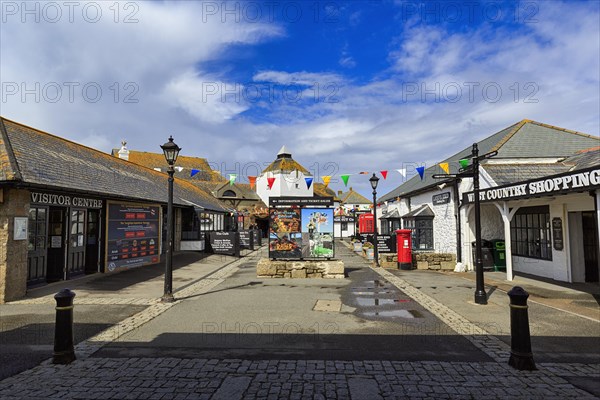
[64, 353]
[521, 357]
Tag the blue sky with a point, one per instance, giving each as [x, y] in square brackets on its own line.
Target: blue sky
[347, 86]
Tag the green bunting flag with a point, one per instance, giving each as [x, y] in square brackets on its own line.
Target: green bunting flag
[345, 179]
[232, 179]
[464, 162]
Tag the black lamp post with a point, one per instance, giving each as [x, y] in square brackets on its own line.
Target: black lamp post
[374, 181]
[480, 294]
[171, 151]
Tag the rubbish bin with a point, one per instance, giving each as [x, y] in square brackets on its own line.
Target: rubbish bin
[499, 251]
[487, 256]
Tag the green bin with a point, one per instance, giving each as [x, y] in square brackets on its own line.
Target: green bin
[499, 251]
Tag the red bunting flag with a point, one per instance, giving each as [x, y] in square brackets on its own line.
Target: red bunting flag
[252, 180]
[270, 181]
[384, 174]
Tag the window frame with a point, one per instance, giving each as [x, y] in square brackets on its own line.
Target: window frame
[418, 232]
[531, 233]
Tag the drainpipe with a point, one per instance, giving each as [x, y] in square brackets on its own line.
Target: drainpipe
[458, 222]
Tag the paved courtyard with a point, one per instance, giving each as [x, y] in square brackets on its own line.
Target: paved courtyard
[376, 334]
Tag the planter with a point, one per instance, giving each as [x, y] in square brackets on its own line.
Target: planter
[357, 247]
[370, 254]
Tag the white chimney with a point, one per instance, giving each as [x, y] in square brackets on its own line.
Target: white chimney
[124, 153]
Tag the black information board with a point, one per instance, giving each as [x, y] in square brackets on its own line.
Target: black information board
[386, 244]
[225, 243]
[257, 238]
[441, 198]
[247, 239]
[557, 235]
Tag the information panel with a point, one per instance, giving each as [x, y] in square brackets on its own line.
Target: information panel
[225, 243]
[246, 239]
[317, 233]
[285, 238]
[386, 244]
[132, 235]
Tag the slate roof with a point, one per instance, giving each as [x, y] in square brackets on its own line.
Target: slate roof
[352, 197]
[320, 190]
[525, 139]
[157, 160]
[34, 158]
[242, 191]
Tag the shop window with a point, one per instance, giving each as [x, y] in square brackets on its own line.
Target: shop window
[36, 229]
[530, 233]
[422, 232]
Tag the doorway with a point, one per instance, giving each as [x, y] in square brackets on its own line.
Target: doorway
[92, 246]
[56, 244]
[76, 245]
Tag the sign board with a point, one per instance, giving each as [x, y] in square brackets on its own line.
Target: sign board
[317, 233]
[343, 218]
[246, 239]
[257, 238]
[225, 243]
[20, 228]
[301, 201]
[557, 234]
[64, 200]
[581, 180]
[285, 237]
[386, 244]
[441, 198]
[132, 235]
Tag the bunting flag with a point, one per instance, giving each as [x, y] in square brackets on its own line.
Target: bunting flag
[232, 179]
[384, 174]
[179, 169]
[252, 180]
[270, 181]
[194, 172]
[402, 172]
[444, 166]
[421, 171]
[464, 162]
[308, 182]
[364, 173]
[345, 179]
[326, 179]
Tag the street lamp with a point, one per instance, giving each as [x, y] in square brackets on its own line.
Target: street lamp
[171, 151]
[374, 181]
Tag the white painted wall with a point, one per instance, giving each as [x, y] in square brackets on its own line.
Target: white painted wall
[292, 184]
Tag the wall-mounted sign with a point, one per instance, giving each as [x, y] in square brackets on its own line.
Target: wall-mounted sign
[225, 243]
[132, 235]
[343, 218]
[557, 234]
[441, 198]
[64, 200]
[20, 228]
[581, 180]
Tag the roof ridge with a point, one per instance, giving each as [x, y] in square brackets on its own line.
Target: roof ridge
[558, 128]
[510, 134]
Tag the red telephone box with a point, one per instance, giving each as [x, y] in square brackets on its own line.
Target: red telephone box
[404, 241]
[365, 223]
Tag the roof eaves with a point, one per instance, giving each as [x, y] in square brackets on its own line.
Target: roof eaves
[12, 161]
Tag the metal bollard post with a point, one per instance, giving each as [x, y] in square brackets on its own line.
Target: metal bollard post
[64, 353]
[521, 357]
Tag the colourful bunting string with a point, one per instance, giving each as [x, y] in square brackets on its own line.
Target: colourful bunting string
[345, 179]
[194, 172]
[444, 166]
[308, 182]
[384, 174]
[326, 180]
[232, 179]
[402, 172]
[270, 182]
[364, 173]
[252, 180]
[464, 162]
[421, 171]
[179, 169]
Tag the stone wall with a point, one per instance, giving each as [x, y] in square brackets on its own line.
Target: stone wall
[267, 268]
[445, 261]
[13, 253]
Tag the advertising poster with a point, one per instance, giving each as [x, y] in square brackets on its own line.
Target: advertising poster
[285, 237]
[132, 234]
[317, 233]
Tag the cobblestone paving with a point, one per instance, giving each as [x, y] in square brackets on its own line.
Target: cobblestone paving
[175, 378]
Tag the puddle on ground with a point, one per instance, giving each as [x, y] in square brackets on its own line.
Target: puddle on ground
[394, 314]
[366, 301]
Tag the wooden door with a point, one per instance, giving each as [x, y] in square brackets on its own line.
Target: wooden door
[76, 250]
[36, 245]
[590, 246]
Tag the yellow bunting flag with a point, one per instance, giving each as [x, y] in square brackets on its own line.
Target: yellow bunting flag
[444, 166]
[326, 179]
